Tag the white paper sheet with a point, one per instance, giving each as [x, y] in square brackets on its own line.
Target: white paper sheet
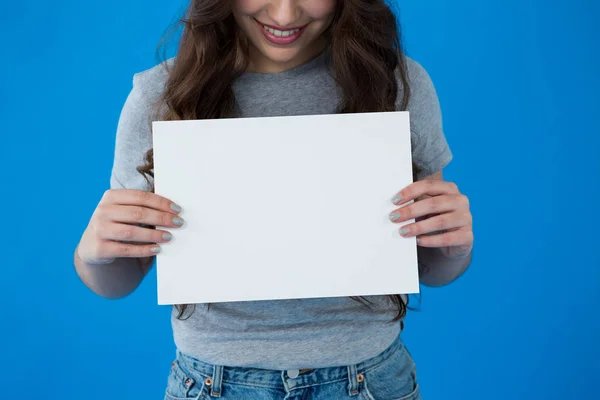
[284, 207]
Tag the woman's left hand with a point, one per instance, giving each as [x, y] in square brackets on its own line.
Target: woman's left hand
[442, 216]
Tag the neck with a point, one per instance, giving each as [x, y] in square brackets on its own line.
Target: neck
[263, 65]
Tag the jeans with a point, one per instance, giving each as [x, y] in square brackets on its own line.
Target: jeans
[390, 375]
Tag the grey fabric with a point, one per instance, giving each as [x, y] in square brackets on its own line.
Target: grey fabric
[284, 334]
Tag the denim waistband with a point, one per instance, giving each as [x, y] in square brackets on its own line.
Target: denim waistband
[276, 379]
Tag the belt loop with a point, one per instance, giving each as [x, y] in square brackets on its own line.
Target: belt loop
[353, 380]
[217, 379]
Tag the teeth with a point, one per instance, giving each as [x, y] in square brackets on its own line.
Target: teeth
[279, 33]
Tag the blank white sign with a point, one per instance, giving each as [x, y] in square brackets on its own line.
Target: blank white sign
[284, 207]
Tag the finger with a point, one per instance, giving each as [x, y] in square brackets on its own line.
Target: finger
[433, 187]
[438, 223]
[140, 198]
[111, 249]
[459, 237]
[429, 205]
[136, 234]
[139, 215]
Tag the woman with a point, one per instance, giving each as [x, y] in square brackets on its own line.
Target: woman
[263, 58]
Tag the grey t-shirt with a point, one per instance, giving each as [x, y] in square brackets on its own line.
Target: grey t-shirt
[282, 334]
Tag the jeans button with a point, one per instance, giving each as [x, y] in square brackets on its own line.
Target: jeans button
[293, 373]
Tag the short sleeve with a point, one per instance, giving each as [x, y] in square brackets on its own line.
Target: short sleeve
[133, 140]
[430, 149]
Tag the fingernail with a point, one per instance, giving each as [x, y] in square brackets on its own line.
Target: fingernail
[397, 198]
[167, 236]
[175, 208]
[155, 249]
[404, 231]
[178, 221]
[394, 216]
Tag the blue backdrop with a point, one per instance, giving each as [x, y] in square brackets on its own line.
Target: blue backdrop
[518, 81]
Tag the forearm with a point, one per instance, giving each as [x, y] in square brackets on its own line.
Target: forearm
[438, 267]
[115, 280]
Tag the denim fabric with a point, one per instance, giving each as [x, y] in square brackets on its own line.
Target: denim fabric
[389, 376]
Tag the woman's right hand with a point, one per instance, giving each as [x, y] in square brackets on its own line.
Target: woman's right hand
[114, 231]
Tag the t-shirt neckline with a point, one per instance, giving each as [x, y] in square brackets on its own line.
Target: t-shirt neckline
[320, 59]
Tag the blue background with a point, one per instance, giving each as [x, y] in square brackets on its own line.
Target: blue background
[518, 82]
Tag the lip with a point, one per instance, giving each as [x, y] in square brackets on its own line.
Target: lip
[277, 40]
[279, 28]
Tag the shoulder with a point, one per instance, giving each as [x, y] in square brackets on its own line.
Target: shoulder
[134, 130]
[422, 90]
[423, 102]
[150, 83]
[417, 74]
[431, 152]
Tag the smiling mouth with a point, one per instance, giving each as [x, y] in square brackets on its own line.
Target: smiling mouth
[280, 32]
[279, 35]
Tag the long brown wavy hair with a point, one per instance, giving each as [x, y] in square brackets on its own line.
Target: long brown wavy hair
[367, 60]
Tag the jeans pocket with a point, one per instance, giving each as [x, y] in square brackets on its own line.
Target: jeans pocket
[183, 385]
[393, 379]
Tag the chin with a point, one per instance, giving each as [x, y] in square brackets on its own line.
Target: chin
[280, 56]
